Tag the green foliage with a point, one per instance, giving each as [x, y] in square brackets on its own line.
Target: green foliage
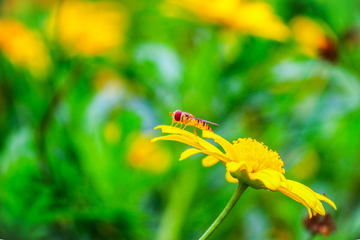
[68, 166]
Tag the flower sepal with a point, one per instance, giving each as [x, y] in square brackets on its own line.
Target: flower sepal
[242, 176]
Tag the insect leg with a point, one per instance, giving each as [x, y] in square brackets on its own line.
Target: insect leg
[183, 128]
[176, 124]
[194, 128]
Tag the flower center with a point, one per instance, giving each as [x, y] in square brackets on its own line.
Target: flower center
[258, 155]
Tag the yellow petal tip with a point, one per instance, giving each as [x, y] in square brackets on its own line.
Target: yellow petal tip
[209, 161]
[230, 178]
[155, 139]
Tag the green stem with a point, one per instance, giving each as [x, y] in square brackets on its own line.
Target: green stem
[235, 197]
[46, 120]
[176, 211]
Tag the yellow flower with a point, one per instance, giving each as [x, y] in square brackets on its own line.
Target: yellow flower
[90, 28]
[256, 18]
[24, 47]
[147, 156]
[250, 162]
[312, 39]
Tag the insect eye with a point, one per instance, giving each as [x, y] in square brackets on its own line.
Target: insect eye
[177, 115]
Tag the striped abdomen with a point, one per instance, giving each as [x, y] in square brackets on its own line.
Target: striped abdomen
[200, 124]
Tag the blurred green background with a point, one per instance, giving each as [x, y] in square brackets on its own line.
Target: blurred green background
[83, 84]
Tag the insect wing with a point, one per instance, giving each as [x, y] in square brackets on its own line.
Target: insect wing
[205, 121]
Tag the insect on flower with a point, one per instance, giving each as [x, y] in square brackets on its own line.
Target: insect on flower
[189, 120]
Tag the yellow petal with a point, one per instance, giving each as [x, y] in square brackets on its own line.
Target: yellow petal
[160, 126]
[177, 138]
[308, 33]
[310, 214]
[297, 198]
[319, 196]
[270, 178]
[233, 166]
[219, 156]
[230, 178]
[299, 190]
[209, 161]
[168, 129]
[267, 178]
[286, 190]
[209, 146]
[228, 147]
[258, 18]
[325, 199]
[309, 195]
[304, 195]
[189, 152]
[190, 136]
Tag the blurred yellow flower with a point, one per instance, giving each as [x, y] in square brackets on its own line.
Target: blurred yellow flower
[24, 47]
[112, 133]
[249, 162]
[90, 28]
[147, 156]
[312, 39]
[255, 18]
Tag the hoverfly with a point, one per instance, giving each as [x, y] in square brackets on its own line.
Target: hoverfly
[189, 120]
